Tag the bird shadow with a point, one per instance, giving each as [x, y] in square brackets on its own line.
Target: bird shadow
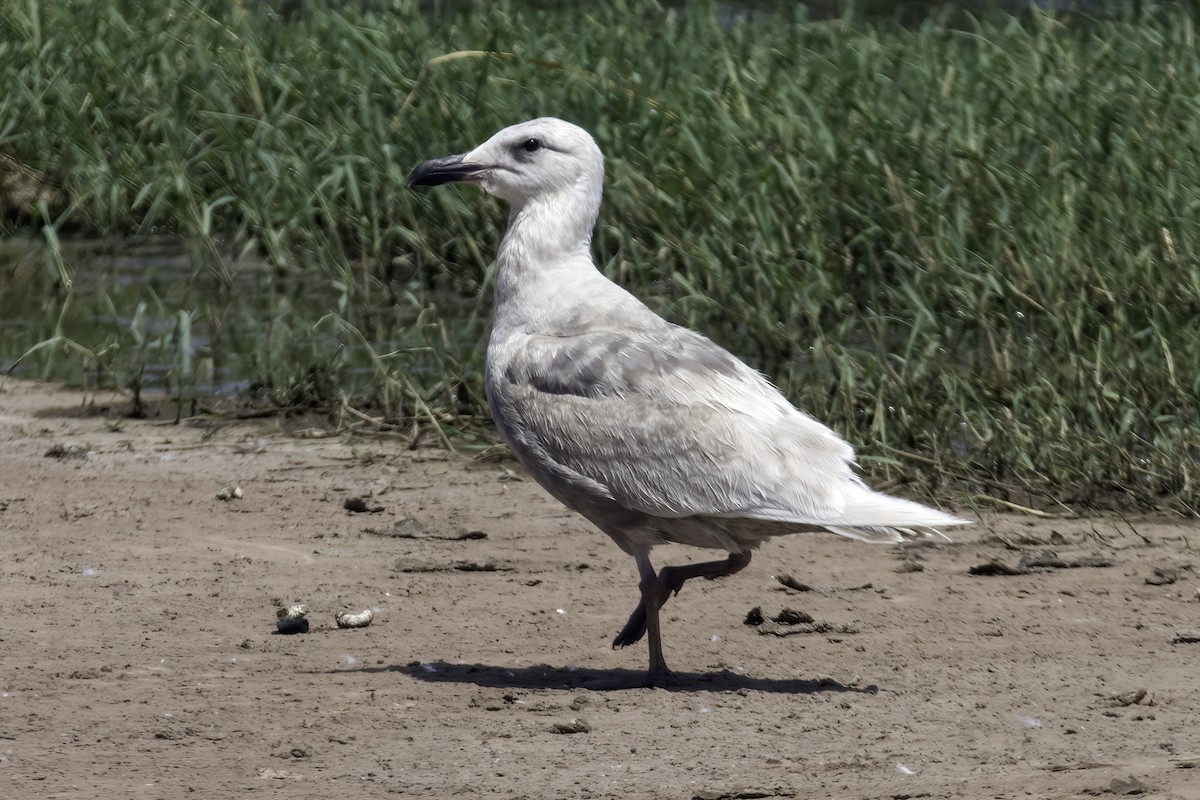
[543, 676]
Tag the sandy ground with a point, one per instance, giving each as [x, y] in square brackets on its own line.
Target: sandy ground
[139, 659]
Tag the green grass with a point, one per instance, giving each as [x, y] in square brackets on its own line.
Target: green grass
[969, 247]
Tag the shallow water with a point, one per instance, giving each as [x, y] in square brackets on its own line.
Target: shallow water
[141, 308]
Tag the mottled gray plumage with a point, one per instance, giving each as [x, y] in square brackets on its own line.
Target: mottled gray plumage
[650, 430]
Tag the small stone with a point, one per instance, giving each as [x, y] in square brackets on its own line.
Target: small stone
[409, 528]
[359, 505]
[1128, 698]
[1163, 576]
[754, 616]
[576, 725]
[1125, 786]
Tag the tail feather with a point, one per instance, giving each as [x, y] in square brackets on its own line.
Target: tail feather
[880, 519]
[882, 535]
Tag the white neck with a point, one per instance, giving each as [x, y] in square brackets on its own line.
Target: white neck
[546, 234]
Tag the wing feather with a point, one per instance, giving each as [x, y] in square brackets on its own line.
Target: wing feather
[674, 426]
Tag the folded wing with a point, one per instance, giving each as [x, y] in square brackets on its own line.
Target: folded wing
[673, 425]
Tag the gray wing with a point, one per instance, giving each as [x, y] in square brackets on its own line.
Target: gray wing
[672, 425]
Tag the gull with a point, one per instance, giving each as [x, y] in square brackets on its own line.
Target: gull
[649, 430]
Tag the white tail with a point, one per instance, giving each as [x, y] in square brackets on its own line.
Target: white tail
[880, 519]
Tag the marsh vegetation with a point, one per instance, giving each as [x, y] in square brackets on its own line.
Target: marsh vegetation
[968, 244]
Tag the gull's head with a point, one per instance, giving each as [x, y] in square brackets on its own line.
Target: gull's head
[539, 159]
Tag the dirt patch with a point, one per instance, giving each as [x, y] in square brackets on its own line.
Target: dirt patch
[139, 655]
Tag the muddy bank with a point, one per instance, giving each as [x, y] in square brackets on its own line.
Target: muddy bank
[139, 656]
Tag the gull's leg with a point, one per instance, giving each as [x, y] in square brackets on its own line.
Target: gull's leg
[667, 582]
[658, 674]
[651, 584]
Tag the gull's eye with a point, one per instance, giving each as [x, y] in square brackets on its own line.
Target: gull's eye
[531, 145]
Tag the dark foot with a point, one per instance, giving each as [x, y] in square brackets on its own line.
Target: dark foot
[668, 582]
[634, 629]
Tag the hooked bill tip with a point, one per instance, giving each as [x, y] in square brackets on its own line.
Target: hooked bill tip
[446, 169]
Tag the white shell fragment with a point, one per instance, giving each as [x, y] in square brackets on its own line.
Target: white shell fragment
[298, 611]
[360, 620]
[291, 619]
